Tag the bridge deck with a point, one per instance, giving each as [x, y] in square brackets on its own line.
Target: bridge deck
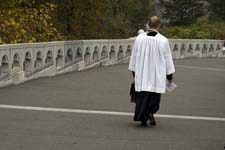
[200, 93]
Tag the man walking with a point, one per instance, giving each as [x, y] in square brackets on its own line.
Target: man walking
[151, 64]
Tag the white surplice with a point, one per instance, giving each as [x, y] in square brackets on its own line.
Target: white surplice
[151, 61]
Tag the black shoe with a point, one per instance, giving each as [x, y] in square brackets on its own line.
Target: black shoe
[144, 123]
[152, 120]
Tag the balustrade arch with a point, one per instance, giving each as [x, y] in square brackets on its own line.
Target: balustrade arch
[87, 56]
[204, 49]
[197, 48]
[218, 47]
[190, 49]
[27, 64]
[69, 56]
[120, 53]
[112, 53]
[96, 54]
[39, 61]
[59, 58]
[128, 52]
[104, 52]
[211, 48]
[183, 51]
[49, 58]
[16, 61]
[175, 48]
[79, 54]
[5, 65]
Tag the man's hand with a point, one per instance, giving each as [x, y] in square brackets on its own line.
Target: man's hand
[170, 81]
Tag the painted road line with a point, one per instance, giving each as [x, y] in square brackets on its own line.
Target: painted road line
[200, 68]
[105, 112]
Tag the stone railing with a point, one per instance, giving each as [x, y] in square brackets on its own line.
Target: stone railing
[183, 48]
[22, 62]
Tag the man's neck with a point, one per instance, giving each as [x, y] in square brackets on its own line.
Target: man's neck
[153, 29]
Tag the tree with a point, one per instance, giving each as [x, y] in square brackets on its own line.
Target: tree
[217, 9]
[65, 17]
[93, 19]
[24, 21]
[137, 12]
[182, 12]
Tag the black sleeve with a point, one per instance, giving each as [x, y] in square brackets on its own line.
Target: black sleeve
[169, 77]
[133, 73]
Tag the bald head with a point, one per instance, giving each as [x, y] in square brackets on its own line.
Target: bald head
[154, 22]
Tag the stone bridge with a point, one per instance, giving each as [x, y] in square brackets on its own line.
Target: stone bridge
[23, 62]
[91, 110]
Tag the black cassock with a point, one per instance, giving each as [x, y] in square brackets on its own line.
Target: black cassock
[146, 103]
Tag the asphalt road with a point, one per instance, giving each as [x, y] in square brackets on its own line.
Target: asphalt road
[200, 92]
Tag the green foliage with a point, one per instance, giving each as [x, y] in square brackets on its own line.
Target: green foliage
[23, 21]
[120, 27]
[47, 20]
[64, 17]
[137, 12]
[182, 12]
[91, 19]
[203, 28]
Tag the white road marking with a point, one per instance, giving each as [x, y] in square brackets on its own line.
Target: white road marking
[105, 112]
[200, 68]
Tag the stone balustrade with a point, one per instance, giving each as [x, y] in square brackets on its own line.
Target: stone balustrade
[22, 62]
[184, 48]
